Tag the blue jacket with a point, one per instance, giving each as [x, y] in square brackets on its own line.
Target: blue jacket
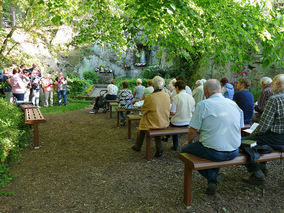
[230, 91]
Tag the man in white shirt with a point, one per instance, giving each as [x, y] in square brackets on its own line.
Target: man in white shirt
[218, 120]
[182, 108]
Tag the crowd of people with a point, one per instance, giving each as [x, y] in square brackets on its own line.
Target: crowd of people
[214, 112]
[29, 85]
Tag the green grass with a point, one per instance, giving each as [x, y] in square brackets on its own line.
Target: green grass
[71, 105]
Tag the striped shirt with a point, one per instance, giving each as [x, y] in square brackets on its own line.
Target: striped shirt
[263, 97]
[272, 118]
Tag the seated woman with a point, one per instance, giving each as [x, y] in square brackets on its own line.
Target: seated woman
[182, 108]
[138, 90]
[149, 90]
[227, 88]
[156, 112]
[125, 98]
[265, 83]
[244, 99]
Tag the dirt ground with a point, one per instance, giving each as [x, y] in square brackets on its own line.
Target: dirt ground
[85, 164]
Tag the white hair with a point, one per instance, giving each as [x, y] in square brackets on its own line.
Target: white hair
[173, 81]
[265, 80]
[280, 78]
[203, 81]
[139, 81]
[197, 82]
[158, 82]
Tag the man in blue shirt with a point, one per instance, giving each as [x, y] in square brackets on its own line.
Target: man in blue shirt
[218, 120]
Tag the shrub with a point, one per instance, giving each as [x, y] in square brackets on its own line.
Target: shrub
[91, 76]
[76, 86]
[14, 135]
[131, 83]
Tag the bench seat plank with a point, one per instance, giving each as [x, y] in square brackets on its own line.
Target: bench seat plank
[198, 163]
[34, 115]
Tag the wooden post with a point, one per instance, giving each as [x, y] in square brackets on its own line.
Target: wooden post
[129, 127]
[110, 111]
[117, 117]
[187, 185]
[36, 140]
[148, 146]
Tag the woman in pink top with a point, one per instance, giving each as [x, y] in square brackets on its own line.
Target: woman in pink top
[48, 90]
[17, 84]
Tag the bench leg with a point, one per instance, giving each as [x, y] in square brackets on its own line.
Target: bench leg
[110, 111]
[36, 140]
[148, 147]
[117, 117]
[129, 128]
[187, 185]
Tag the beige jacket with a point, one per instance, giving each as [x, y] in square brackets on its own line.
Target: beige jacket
[156, 111]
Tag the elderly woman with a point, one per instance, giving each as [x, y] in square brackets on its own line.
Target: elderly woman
[138, 90]
[124, 100]
[244, 99]
[198, 93]
[156, 112]
[48, 90]
[18, 86]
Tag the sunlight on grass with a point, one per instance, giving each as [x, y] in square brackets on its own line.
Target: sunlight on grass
[72, 105]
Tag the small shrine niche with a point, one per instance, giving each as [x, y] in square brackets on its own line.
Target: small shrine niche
[141, 55]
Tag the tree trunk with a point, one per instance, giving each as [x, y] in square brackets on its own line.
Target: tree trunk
[12, 15]
[1, 14]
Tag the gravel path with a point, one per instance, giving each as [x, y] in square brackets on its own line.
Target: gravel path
[85, 164]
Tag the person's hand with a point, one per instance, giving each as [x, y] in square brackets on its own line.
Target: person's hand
[186, 143]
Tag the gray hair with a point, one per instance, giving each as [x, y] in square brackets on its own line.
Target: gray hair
[212, 86]
[279, 78]
[158, 82]
[265, 80]
[139, 81]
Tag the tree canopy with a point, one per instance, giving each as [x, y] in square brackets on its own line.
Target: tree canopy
[230, 31]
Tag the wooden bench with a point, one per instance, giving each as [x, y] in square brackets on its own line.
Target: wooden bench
[124, 110]
[33, 116]
[129, 119]
[192, 162]
[162, 132]
[111, 104]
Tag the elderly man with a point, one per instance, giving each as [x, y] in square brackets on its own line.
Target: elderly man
[271, 128]
[156, 112]
[265, 83]
[218, 120]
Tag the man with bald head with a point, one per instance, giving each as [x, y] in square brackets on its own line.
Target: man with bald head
[218, 121]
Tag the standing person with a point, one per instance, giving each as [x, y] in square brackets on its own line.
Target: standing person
[265, 94]
[244, 99]
[138, 90]
[48, 90]
[27, 82]
[156, 113]
[125, 98]
[181, 110]
[270, 130]
[18, 86]
[35, 81]
[218, 121]
[227, 88]
[7, 89]
[61, 88]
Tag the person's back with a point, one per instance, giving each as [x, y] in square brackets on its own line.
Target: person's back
[221, 125]
[184, 107]
[229, 93]
[139, 92]
[156, 111]
[245, 101]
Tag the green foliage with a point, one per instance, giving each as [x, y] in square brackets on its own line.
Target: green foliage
[92, 76]
[14, 135]
[76, 86]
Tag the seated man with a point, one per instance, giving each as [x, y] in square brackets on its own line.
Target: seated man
[156, 112]
[218, 120]
[263, 97]
[181, 110]
[271, 128]
[244, 99]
